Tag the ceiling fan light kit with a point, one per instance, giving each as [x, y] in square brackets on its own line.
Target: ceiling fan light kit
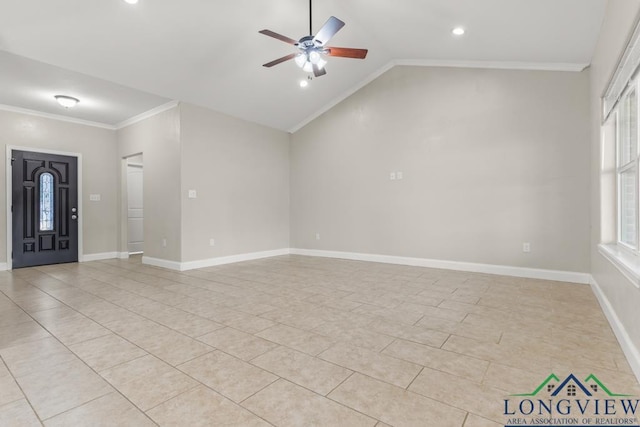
[312, 49]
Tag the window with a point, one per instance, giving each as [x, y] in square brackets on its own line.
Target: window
[620, 167]
[46, 202]
[571, 390]
[627, 168]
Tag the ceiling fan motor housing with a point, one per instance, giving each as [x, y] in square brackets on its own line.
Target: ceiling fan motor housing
[308, 42]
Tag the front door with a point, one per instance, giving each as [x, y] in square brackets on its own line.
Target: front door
[44, 208]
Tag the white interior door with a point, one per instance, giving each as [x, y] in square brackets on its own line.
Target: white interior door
[135, 212]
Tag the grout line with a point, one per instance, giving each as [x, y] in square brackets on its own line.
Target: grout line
[114, 389]
[445, 342]
[24, 395]
[243, 279]
[465, 419]
[389, 345]
[418, 321]
[414, 378]
[173, 397]
[258, 391]
[342, 382]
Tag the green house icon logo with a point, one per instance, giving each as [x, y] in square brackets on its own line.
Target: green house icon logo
[571, 386]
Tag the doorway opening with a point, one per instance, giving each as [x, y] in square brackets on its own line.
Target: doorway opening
[135, 205]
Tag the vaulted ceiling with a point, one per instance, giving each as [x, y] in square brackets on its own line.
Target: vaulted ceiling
[121, 60]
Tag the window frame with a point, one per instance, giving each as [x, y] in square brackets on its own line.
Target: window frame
[632, 164]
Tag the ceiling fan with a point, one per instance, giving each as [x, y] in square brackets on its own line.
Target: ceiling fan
[311, 49]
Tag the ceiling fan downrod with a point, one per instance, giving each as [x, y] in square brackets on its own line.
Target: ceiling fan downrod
[310, 19]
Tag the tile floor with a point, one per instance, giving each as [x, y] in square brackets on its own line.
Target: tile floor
[288, 341]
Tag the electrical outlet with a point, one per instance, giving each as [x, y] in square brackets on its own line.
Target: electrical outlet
[526, 247]
[398, 175]
[193, 194]
[317, 236]
[164, 243]
[212, 242]
[392, 176]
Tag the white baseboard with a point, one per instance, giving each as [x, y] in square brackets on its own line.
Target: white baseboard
[4, 266]
[123, 255]
[630, 350]
[211, 262]
[503, 270]
[98, 257]
[158, 262]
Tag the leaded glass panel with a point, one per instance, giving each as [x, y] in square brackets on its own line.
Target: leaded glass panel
[46, 202]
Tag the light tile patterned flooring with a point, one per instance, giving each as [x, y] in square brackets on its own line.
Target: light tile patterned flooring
[287, 341]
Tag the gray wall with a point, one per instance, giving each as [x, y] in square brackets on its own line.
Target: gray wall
[623, 296]
[240, 172]
[158, 139]
[490, 158]
[99, 171]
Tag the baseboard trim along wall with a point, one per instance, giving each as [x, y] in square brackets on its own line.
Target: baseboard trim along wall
[98, 257]
[158, 262]
[211, 262]
[502, 270]
[630, 350]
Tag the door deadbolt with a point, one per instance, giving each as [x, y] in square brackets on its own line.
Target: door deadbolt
[74, 216]
[74, 210]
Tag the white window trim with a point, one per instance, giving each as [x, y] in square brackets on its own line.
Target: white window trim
[626, 68]
[632, 163]
[624, 257]
[628, 263]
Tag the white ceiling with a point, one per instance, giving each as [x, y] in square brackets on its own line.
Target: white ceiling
[122, 59]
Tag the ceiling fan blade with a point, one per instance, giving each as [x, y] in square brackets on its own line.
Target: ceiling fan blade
[279, 37]
[279, 60]
[328, 30]
[317, 71]
[346, 52]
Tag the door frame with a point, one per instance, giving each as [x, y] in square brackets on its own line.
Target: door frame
[9, 191]
[140, 166]
[123, 246]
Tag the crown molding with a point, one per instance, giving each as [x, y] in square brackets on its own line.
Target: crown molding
[497, 65]
[344, 95]
[58, 117]
[143, 116]
[135, 119]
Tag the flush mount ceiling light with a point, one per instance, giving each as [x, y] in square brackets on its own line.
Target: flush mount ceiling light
[131, 1]
[458, 31]
[66, 101]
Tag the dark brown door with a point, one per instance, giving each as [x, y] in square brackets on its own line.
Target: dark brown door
[44, 208]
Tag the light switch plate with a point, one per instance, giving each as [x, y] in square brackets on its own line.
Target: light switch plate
[94, 197]
[192, 194]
